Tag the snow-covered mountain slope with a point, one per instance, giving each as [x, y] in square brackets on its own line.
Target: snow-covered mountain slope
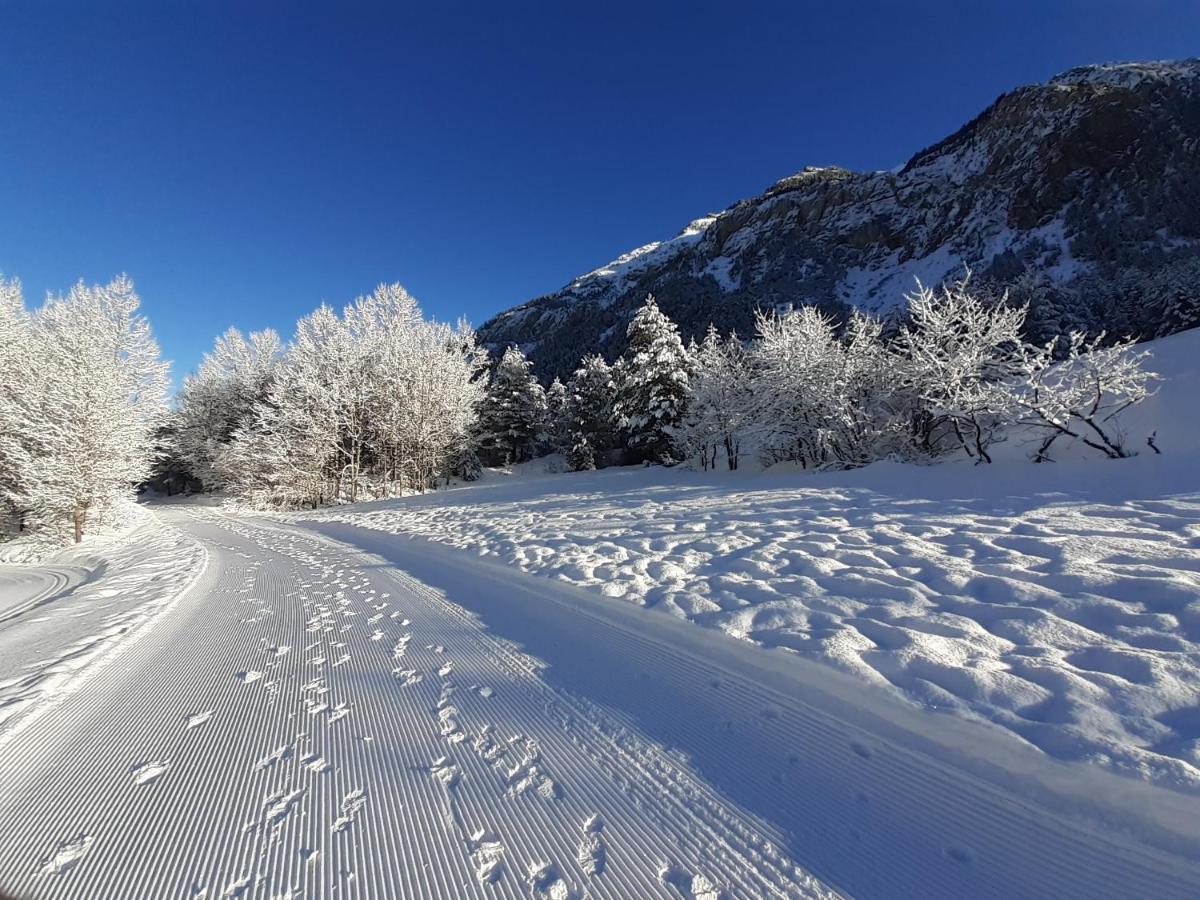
[1083, 194]
[1058, 601]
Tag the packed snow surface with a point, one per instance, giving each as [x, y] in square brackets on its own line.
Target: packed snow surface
[446, 726]
[62, 621]
[1061, 601]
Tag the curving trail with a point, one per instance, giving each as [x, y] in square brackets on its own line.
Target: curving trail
[307, 725]
[316, 719]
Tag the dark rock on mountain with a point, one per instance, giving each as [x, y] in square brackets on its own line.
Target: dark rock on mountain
[1081, 196]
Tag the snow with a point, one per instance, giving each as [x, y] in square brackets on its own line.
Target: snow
[1061, 602]
[62, 622]
[947, 681]
[615, 276]
[1128, 75]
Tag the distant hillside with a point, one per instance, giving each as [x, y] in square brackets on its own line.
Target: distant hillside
[1081, 195]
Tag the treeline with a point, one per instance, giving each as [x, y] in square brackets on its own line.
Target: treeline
[378, 400]
[370, 403]
[82, 391]
[955, 377]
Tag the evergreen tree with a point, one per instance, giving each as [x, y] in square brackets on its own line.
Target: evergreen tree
[653, 388]
[513, 414]
[555, 439]
[588, 413]
[1174, 292]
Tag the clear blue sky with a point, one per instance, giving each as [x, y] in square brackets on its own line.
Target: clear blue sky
[245, 162]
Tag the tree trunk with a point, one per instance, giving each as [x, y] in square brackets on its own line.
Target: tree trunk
[78, 517]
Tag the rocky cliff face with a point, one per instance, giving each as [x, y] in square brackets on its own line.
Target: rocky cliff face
[1077, 194]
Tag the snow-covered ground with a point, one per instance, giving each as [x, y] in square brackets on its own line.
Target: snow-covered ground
[352, 718]
[63, 621]
[379, 701]
[1061, 602]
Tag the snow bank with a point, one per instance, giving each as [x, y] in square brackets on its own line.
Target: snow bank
[1060, 601]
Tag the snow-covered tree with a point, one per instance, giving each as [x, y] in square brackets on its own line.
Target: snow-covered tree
[232, 379]
[16, 358]
[555, 438]
[96, 395]
[834, 400]
[720, 403]
[1174, 293]
[955, 348]
[512, 417]
[588, 413]
[653, 385]
[379, 399]
[1081, 397]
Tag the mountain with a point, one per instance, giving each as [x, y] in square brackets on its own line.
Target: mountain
[1081, 196]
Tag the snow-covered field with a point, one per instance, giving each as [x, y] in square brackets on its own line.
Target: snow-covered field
[352, 718]
[1059, 601]
[379, 701]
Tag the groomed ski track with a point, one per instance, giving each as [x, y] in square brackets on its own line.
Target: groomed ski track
[344, 714]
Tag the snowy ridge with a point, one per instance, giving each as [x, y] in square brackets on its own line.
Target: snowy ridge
[1025, 195]
[1128, 74]
[616, 275]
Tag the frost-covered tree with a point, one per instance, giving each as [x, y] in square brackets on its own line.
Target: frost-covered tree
[720, 403]
[955, 347]
[588, 412]
[555, 438]
[96, 396]
[653, 385]
[379, 399]
[512, 417]
[834, 399]
[16, 358]
[1174, 294]
[1082, 396]
[232, 379]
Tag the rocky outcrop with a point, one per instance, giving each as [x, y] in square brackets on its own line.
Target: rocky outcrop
[1062, 191]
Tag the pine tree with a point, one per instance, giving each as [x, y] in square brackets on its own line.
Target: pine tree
[555, 438]
[1174, 292]
[588, 414]
[653, 388]
[512, 417]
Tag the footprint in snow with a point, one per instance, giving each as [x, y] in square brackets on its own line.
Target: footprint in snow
[351, 804]
[545, 881]
[408, 676]
[147, 771]
[249, 676]
[692, 887]
[487, 856]
[67, 855]
[197, 719]
[591, 854]
[446, 772]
